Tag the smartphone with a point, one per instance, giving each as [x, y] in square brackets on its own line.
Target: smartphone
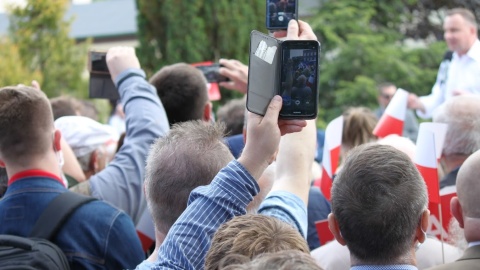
[211, 73]
[280, 12]
[100, 84]
[299, 78]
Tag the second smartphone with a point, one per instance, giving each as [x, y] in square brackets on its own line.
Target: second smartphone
[280, 12]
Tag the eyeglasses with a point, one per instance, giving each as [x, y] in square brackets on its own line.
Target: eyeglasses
[385, 96]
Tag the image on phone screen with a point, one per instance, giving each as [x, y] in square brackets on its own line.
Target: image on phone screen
[280, 12]
[299, 78]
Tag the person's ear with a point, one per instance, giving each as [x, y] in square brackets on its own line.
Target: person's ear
[457, 212]
[207, 112]
[57, 138]
[423, 226]
[335, 229]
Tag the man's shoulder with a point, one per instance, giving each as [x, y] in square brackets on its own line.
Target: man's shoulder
[460, 265]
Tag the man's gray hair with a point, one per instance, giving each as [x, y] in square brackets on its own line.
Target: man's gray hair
[462, 114]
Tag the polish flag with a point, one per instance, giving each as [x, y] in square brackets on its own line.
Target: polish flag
[323, 232]
[392, 119]
[331, 155]
[440, 131]
[146, 230]
[426, 161]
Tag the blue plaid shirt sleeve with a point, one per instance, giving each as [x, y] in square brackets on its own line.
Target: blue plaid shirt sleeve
[189, 239]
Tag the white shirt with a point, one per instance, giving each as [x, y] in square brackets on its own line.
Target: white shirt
[463, 74]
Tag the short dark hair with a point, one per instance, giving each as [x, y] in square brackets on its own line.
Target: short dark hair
[182, 89]
[378, 199]
[26, 123]
[251, 235]
[384, 85]
[233, 115]
[64, 106]
[190, 155]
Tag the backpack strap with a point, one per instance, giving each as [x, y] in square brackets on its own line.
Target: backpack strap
[57, 212]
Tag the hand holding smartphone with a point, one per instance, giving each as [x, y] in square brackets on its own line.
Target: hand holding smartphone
[286, 68]
[211, 73]
[100, 84]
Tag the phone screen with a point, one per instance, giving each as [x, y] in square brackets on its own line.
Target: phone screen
[299, 79]
[280, 12]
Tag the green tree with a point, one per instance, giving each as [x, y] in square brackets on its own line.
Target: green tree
[12, 71]
[41, 35]
[359, 51]
[173, 31]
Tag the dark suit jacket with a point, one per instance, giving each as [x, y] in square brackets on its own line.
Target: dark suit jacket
[469, 261]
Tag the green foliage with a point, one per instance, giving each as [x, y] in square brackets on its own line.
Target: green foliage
[361, 47]
[41, 35]
[12, 72]
[172, 31]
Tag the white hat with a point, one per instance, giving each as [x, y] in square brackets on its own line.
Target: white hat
[84, 135]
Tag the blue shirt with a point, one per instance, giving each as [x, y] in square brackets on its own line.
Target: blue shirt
[95, 236]
[121, 182]
[384, 267]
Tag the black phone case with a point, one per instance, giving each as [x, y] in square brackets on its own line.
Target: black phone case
[264, 78]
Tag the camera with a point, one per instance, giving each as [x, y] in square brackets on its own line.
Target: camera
[211, 73]
[100, 84]
[280, 12]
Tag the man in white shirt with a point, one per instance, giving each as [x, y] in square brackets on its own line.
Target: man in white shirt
[461, 74]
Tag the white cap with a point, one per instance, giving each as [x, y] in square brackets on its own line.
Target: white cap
[84, 135]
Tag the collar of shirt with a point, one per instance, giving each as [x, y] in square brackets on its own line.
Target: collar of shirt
[473, 53]
[34, 173]
[472, 244]
[384, 267]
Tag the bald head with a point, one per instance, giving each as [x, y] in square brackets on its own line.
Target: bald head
[468, 186]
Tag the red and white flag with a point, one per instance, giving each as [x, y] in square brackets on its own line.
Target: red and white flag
[323, 232]
[146, 230]
[331, 155]
[392, 119]
[426, 161]
[440, 131]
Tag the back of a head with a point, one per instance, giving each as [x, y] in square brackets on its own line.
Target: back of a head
[468, 186]
[232, 114]
[190, 155]
[358, 125]
[251, 235]
[182, 89]
[378, 199]
[462, 114]
[27, 124]
[65, 106]
[282, 260]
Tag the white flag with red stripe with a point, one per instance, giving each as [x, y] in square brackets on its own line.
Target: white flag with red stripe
[392, 119]
[426, 161]
[331, 155]
[440, 131]
[146, 230]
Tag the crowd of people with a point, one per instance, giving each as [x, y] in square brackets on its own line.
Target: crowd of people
[172, 191]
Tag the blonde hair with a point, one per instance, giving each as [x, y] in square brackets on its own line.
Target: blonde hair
[358, 125]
